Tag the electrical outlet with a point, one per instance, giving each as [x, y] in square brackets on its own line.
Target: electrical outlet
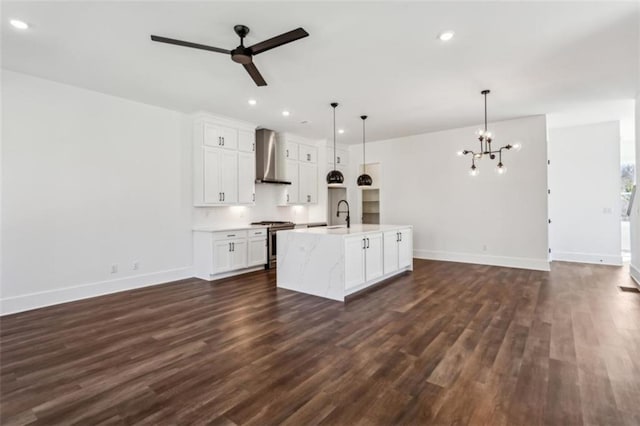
[136, 265]
[114, 268]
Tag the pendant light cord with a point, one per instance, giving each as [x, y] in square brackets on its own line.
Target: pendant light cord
[334, 137]
[364, 161]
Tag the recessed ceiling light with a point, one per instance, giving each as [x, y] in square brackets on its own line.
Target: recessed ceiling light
[341, 131]
[21, 25]
[252, 101]
[446, 35]
[285, 113]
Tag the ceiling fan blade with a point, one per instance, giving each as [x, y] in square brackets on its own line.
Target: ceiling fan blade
[276, 41]
[255, 74]
[188, 44]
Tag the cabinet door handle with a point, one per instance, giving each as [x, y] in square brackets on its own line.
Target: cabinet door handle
[254, 197]
[253, 147]
[400, 235]
[229, 246]
[397, 237]
[219, 141]
[223, 141]
[364, 243]
[308, 198]
[368, 245]
[233, 246]
[308, 157]
[219, 196]
[223, 193]
[287, 153]
[338, 160]
[287, 198]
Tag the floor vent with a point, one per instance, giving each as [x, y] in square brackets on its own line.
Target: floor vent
[629, 289]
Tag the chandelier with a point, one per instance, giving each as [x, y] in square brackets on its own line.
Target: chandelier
[486, 137]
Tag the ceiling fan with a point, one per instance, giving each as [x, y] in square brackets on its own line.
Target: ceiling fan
[241, 54]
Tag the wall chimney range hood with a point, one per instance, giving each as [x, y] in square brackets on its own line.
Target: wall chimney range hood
[269, 161]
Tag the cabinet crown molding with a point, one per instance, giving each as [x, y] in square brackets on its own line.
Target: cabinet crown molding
[203, 116]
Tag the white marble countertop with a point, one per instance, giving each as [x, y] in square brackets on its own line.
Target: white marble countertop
[216, 228]
[341, 230]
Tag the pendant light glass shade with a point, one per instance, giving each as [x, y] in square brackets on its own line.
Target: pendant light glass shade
[334, 177]
[364, 179]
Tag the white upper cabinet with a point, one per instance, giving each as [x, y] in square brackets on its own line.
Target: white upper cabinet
[246, 177]
[308, 191]
[308, 154]
[246, 140]
[216, 135]
[342, 157]
[224, 161]
[293, 175]
[301, 169]
[290, 150]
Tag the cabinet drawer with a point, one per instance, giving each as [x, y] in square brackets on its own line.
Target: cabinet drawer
[308, 154]
[226, 235]
[257, 232]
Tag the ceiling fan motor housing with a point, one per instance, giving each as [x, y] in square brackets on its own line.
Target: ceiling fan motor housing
[242, 55]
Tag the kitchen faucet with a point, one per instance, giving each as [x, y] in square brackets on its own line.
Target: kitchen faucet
[347, 212]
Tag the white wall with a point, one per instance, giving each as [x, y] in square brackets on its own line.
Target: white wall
[89, 180]
[584, 178]
[489, 219]
[635, 213]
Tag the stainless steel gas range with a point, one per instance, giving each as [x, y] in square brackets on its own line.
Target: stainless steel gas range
[273, 227]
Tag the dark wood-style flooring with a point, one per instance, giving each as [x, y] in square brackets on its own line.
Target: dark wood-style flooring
[448, 343]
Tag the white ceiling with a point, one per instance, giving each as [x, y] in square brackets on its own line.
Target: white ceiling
[375, 58]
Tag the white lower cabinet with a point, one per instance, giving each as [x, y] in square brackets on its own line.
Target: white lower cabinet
[405, 248]
[257, 251]
[363, 259]
[229, 255]
[373, 257]
[224, 252]
[221, 256]
[398, 250]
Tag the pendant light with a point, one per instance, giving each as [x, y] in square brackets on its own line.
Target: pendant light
[364, 179]
[334, 177]
[485, 137]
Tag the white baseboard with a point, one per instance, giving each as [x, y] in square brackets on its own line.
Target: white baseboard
[598, 259]
[508, 262]
[635, 274]
[26, 302]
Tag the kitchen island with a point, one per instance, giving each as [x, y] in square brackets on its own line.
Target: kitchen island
[336, 261]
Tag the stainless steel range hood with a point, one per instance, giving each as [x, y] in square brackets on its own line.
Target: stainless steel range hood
[269, 160]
